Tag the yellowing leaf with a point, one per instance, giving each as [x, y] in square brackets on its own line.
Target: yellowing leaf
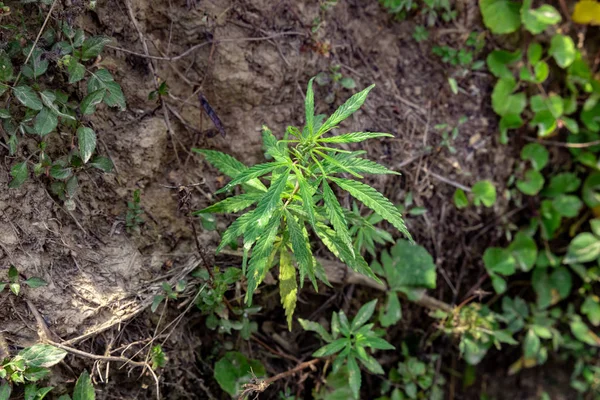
[587, 12]
[288, 287]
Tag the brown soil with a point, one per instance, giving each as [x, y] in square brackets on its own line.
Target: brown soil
[101, 277]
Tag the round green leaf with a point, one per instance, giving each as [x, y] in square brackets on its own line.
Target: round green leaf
[534, 53]
[498, 61]
[591, 190]
[498, 260]
[537, 20]
[533, 183]
[562, 48]
[484, 193]
[565, 182]
[567, 205]
[524, 249]
[585, 247]
[501, 16]
[460, 199]
[537, 154]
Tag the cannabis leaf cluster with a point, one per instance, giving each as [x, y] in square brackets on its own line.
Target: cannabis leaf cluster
[294, 193]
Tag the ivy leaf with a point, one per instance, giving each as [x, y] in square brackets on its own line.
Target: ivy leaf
[45, 122]
[345, 110]
[92, 47]
[288, 287]
[375, 201]
[484, 193]
[84, 389]
[19, 174]
[562, 48]
[501, 16]
[28, 97]
[86, 139]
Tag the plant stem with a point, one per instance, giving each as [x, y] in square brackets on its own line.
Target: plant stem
[298, 368]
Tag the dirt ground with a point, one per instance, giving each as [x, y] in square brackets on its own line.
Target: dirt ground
[253, 67]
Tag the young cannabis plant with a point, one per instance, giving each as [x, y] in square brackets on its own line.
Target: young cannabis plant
[298, 193]
[348, 342]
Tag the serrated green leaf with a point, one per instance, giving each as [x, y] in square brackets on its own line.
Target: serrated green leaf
[84, 389]
[309, 106]
[232, 204]
[288, 287]
[354, 137]
[315, 327]
[229, 166]
[35, 282]
[86, 139]
[6, 67]
[336, 215]
[45, 122]
[89, 102]
[92, 47]
[331, 348]
[28, 97]
[345, 110]
[375, 201]
[354, 378]
[271, 199]
[19, 174]
[301, 248]
[567, 205]
[253, 172]
[114, 96]
[41, 355]
[306, 193]
[370, 363]
[363, 315]
[102, 163]
[261, 256]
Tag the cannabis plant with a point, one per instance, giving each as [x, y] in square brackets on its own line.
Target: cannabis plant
[296, 194]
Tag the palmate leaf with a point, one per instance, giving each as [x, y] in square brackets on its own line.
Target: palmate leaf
[335, 212]
[301, 249]
[345, 110]
[375, 201]
[365, 166]
[261, 256]
[354, 260]
[253, 172]
[337, 164]
[235, 230]
[309, 105]
[270, 200]
[354, 137]
[306, 193]
[232, 204]
[288, 287]
[272, 146]
[229, 166]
